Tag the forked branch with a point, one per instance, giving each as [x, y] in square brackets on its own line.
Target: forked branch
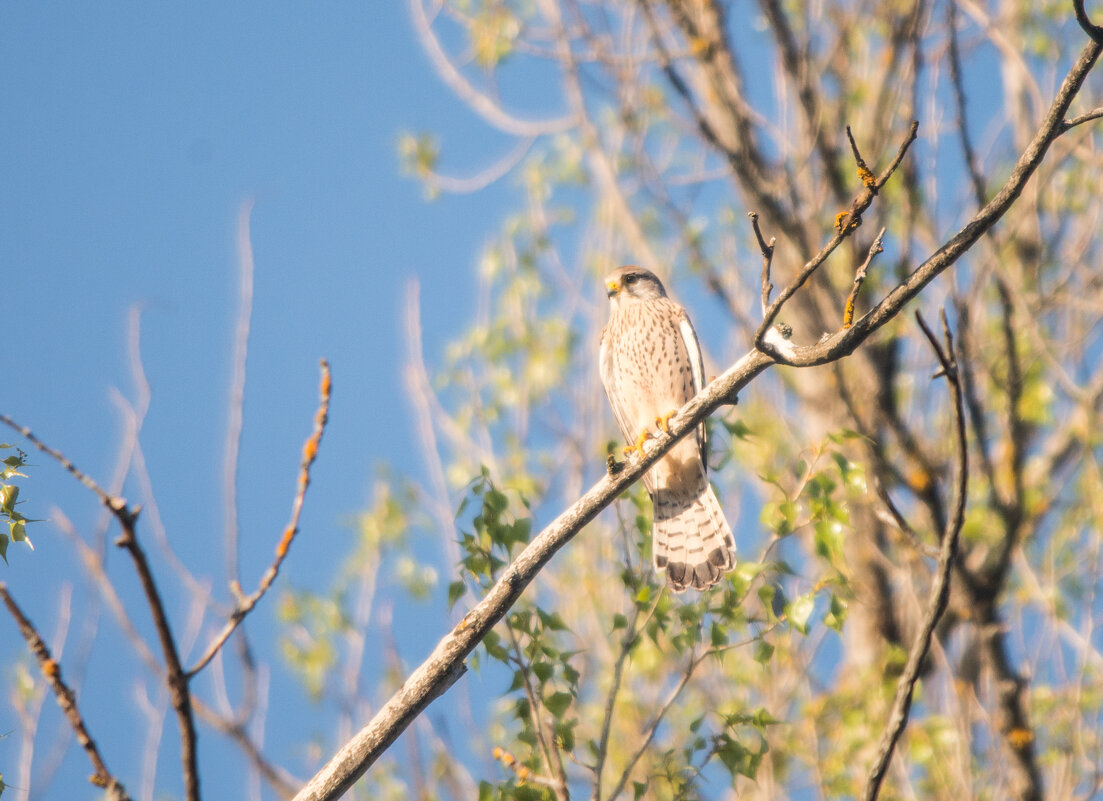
[940, 587]
[245, 603]
[66, 699]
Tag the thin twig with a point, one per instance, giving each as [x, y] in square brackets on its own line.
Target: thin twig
[653, 727]
[548, 746]
[106, 498]
[859, 277]
[1092, 30]
[846, 341]
[175, 679]
[237, 387]
[1094, 114]
[478, 101]
[246, 603]
[741, 153]
[865, 175]
[767, 251]
[66, 699]
[901, 522]
[846, 225]
[628, 641]
[940, 588]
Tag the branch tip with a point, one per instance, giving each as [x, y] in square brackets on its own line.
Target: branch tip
[1095, 32]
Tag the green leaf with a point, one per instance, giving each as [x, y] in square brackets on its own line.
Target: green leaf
[829, 536]
[496, 500]
[551, 621]
[718, 636]
[564, 733]
[763, 651]
[19, 532]
[738, 429]
[9, 493]
[519, 532]
[799, 612]
[836, 613]
[518, 681]
[543, 670]
[762, 718]
[619, 622]
[558, 703]
[456, 591]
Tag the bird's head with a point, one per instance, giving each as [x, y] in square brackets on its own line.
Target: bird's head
[628, 284]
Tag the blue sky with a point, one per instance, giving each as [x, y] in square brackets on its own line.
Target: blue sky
[131, 134]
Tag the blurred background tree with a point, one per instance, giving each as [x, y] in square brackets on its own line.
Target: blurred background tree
[669, 123]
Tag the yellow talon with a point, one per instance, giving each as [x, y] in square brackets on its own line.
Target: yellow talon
[638, 447]
[664, 422]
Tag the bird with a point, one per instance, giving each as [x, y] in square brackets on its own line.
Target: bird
[651, 365]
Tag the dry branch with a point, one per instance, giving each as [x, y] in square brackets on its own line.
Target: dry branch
[66, 699]
[940, 588]
[175, 678]
[245, 603]
[846, 223]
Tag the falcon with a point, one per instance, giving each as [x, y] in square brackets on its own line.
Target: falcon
[651, 366]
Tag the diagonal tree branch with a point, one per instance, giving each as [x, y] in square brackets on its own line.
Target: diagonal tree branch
[940, 589]
[66, 699]
[445, 664]
[175, 678]
[245, 603]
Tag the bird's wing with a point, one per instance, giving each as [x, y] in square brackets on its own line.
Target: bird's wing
[607, 369]
[697, 363]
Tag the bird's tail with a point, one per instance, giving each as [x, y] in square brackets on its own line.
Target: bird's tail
[692, 542]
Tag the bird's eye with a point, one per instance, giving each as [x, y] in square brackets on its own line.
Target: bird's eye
[630, 279]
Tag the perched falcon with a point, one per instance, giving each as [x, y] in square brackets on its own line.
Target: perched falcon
[651, 366]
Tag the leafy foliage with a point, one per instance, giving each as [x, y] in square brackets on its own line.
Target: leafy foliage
[9, 498]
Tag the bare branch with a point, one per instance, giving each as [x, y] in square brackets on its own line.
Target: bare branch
[859, 276]
[477, 101]
[1091, 29]
[940, 588]
[175, 678]
[649, 732]
[237, 388]
[767, 251]
[845, 341]
[1094, 114]
[66, 699]
[105, 498]
[865, 175]
[245, 604]
[845, 225]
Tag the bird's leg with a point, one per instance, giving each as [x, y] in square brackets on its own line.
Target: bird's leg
[644, 436]
[664, 422]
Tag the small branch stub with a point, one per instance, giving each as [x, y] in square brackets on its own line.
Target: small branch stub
[860, 276]
[767, 250]
[868, 179]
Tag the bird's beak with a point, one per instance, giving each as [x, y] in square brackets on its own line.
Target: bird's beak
[611, 288]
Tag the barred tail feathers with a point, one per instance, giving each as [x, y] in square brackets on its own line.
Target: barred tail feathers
[692, 540]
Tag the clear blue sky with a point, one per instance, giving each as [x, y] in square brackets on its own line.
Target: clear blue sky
[130, 133]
